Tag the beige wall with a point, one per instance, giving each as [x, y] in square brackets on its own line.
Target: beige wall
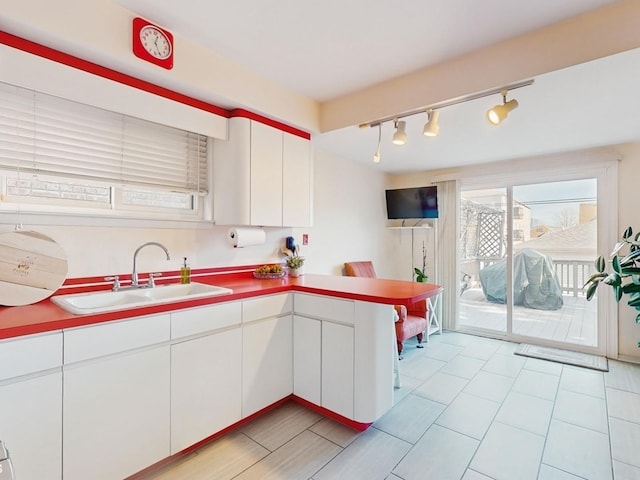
[70, 26]
[349, 217]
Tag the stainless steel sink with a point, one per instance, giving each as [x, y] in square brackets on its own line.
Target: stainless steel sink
[100, 302]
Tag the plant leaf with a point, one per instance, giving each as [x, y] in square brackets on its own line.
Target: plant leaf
[638, 321]
[618, 292]
[634, 300]
[627, 233]
[617, 248]
[591, 291]
[615, 263]
[594, 277]
[630, 271]
[613, 279]
[631, 257]
[631, 288]
[600, 264]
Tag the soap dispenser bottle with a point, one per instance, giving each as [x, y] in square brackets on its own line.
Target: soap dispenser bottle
[185, 272]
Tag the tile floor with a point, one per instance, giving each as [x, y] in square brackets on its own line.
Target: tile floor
[468, 409]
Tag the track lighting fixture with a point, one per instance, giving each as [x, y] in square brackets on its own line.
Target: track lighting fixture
[400, 137]
[498, 113]
[376, 156]
[431, 128]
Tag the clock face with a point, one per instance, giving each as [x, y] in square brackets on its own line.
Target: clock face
[155, 42]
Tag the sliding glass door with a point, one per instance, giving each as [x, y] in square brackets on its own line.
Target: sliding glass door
[525, 253]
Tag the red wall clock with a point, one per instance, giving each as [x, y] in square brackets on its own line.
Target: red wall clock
[152, 43]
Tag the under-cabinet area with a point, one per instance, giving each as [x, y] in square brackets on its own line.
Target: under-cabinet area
[108, 400]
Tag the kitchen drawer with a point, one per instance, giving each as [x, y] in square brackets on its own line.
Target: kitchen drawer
[30, 354]
[205, 319]
[324, 308]
[84, 343]
[265, 307]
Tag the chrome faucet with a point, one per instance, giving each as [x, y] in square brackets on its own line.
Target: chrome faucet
[134, 274]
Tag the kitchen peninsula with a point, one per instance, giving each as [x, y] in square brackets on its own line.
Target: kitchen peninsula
[149, 383]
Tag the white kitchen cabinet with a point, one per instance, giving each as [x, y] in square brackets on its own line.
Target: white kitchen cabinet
[356, 354]
[116, 405]
[206, 370]
[267, 371]
[337, 368]
[266, 175]
[297, 182]
[31, 405]
[267, 352]
[261, 176]
[307, 336]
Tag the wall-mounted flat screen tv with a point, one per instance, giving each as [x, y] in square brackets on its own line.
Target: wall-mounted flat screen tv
[419, 202]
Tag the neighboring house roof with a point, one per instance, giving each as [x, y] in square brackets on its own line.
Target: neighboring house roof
[573, 242]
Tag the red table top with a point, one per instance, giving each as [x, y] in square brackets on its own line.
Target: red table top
[45, 316]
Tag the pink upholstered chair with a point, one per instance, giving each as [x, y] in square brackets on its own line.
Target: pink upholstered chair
[412, 319]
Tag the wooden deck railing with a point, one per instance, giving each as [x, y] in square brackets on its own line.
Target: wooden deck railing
[572, 275]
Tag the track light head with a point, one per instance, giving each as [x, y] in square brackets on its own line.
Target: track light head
[431, 128]
[498, 113]
[400, 136]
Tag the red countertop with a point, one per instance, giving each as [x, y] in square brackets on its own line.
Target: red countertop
[45, 316]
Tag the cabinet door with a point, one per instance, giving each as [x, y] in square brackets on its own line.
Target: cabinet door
[266, 175]
[116, 415]
[307, 334]
[337, 368]
[297, 191]
[31, 426]
[267, 373]
[205, 387]
[232, 175]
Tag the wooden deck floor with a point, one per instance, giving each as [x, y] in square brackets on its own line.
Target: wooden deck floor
[574, 323]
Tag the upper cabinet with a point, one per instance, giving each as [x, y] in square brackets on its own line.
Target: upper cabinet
[262, 176]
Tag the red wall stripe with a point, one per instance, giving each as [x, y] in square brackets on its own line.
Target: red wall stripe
[240, 112]
[110, 74]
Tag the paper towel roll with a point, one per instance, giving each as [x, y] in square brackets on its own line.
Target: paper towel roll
[246, 237]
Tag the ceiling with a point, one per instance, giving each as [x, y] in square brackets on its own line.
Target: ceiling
[327, 49]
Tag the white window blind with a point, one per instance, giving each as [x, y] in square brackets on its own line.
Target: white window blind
[45, 134]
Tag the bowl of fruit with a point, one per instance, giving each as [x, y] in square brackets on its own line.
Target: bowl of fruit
[269, 271]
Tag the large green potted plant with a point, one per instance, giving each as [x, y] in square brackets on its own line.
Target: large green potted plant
[624, 278]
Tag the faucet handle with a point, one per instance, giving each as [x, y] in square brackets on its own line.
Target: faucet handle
[152, 282]
[116, 282]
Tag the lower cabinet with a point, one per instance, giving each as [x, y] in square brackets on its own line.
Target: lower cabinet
[267, 371]
[323, 364]
[205, 386]
[343, 355]
[31, 405]
[116, 415]
[307, 345]
[31, 426]
[117, 402]
[337, 368]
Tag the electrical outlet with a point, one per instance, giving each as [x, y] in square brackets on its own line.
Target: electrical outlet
[305, 239]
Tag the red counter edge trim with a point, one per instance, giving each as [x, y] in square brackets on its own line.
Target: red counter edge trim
[360, 427]
[110, 74]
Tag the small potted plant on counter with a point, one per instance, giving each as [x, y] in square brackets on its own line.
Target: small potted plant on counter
[295, 263]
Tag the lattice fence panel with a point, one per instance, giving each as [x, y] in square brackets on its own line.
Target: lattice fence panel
[490, 235]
